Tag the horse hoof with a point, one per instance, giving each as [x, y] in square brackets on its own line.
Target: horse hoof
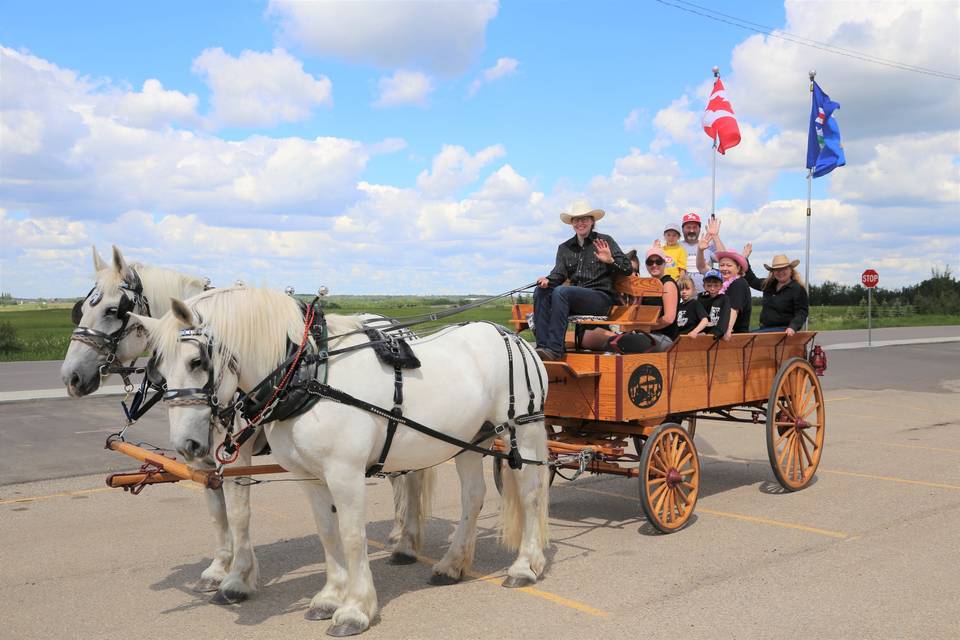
[206, 585]
[398, 557]
[442, 580]
[345, 629]
[513, 582]
[228, 597]
[323, 612]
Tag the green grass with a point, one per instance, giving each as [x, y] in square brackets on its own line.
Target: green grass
[44, 334]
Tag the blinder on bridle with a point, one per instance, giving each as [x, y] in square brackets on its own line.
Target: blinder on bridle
[107, 343]
[206, 395]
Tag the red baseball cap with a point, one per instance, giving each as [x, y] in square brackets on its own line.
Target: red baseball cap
[691, 217]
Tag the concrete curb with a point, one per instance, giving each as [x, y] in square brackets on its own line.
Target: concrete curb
[888, 343]
[45, 394]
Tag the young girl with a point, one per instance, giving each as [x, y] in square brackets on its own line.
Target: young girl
[715, 303]
[692, 318]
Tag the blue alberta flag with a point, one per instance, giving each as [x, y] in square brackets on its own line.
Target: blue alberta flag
[824, 151]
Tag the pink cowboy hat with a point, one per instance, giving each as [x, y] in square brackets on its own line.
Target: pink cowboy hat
[733, 255]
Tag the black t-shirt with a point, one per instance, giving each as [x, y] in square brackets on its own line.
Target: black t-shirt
[689, 315]
[671, 330]
[718, 312]
[738, 294]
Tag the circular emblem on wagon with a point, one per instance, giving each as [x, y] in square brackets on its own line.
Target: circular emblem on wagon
[645, 386]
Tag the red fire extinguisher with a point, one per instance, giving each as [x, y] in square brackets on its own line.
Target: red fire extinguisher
[818, 359]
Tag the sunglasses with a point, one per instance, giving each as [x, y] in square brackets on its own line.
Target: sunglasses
[651, 263]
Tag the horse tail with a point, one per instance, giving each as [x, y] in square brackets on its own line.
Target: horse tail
[412, 492]
[427, 494]
[517, 500]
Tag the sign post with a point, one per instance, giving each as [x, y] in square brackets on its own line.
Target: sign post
[870, 279]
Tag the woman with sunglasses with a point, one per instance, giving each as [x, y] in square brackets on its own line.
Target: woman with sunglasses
[664, 331]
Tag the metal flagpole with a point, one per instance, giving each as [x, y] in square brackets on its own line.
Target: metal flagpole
[806, 261]
[713, 150]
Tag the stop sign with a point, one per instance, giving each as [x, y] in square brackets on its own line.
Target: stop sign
[870, 278]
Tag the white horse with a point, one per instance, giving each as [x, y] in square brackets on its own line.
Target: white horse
[236, 337]
[234, 573]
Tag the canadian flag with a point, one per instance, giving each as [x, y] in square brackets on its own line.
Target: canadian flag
[718, 120]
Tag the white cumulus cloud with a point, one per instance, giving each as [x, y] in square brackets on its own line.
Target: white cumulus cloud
[404, 88]
[504, 67]
[260, 89]
[454, 168]
[441, 37]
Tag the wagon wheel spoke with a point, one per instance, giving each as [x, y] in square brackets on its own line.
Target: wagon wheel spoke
[651, 481]
[809, 393]
[814, 407]
[657, 470]
[670, 449]
[783, 452]
[803, 445]
[806, 435]
[683, 497]
[798, 466]
[684, 460]
[659, 492]
[660, 455]
[659, 503]
[783, 435]
[792, 458]
[687, 485]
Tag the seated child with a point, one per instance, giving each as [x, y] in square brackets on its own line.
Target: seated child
[715, 303]
[676, 253]
[692, 318]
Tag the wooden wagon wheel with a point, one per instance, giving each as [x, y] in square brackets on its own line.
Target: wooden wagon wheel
[669, 477]
[796, 420]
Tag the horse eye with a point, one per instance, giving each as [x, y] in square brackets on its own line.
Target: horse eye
[111, 311]
[195, 364]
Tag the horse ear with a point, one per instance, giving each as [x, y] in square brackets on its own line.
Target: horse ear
[98, 263]
[150, 324]
[183, 313]
[120, 264]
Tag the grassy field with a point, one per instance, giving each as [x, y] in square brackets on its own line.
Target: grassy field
[44, 334]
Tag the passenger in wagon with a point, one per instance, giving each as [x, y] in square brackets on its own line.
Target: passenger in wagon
[715, 303]
[663, 332]
[692, 318]
[732, 267]
[785, 306]
[589, 260]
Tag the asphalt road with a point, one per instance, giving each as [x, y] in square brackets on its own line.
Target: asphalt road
[867, 551]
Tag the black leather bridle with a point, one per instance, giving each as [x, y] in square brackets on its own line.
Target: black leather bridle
[106, 344]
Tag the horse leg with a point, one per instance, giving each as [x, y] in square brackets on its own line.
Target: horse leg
[348, 488]
[244, 575]
[524, 507]
[331, 596]
[213, 575]
[412, 496]
[459, 556]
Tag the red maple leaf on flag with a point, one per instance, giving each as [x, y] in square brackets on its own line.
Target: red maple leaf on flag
[718, 120]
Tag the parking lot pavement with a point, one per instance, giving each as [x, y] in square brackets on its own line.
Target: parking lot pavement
[867, 551]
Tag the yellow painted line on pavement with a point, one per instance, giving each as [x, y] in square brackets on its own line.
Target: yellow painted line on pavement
[912, 446]
[496, 579]
[735, 516]
[61, 494]
[868, 476]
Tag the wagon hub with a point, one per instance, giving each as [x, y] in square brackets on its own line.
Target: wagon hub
[800, 423]
[673, 477]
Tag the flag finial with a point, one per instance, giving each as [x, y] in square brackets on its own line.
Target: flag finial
[812, 73]
[716, 72]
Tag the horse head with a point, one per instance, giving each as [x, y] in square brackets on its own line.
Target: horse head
[105, 335]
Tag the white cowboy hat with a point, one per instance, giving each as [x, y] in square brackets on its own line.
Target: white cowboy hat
[581, 208]
[780, 261]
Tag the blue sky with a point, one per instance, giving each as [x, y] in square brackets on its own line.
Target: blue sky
[272, 119]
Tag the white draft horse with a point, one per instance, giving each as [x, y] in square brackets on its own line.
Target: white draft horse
[233, 338]
[234, 572]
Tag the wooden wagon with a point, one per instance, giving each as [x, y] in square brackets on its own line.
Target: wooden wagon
[600, 403]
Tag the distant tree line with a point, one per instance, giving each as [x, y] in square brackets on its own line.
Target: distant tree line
[939, 293]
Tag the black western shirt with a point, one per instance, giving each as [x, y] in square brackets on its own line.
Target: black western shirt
[581, 267]
[787, 307]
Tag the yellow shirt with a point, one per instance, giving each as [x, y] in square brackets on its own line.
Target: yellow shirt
[679, 256]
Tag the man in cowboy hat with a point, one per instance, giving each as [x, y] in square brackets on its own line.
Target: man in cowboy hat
[589, 260]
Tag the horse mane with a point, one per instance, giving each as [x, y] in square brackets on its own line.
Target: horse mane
[250, 324]
[159, 284]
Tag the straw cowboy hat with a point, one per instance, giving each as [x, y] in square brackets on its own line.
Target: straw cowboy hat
[780, 261]
[581, 208]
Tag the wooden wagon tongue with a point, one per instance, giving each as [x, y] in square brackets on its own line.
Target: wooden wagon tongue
[163, 469]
